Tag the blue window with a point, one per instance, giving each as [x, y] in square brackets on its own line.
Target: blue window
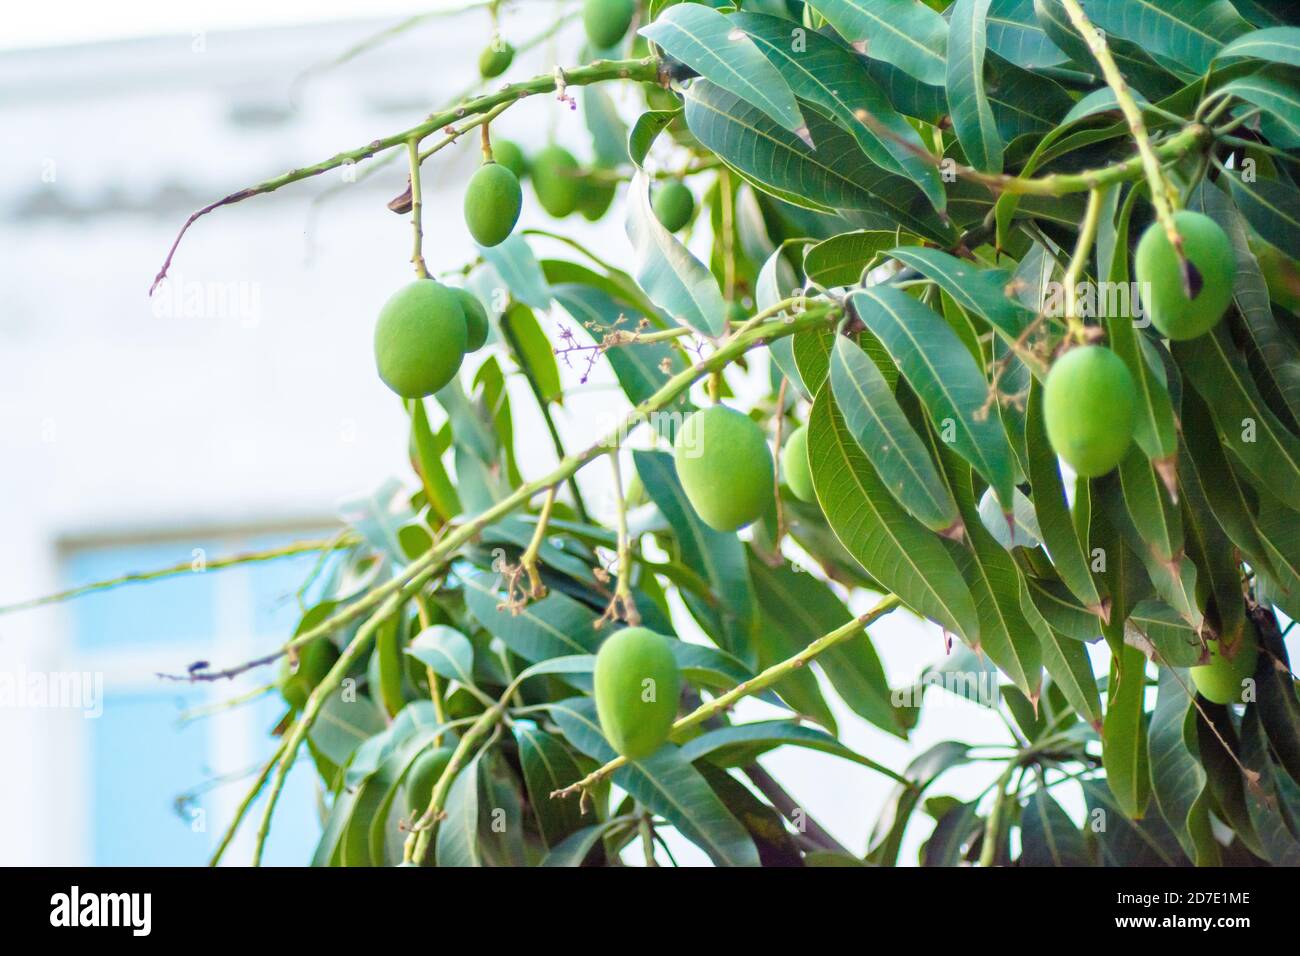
[167, 764]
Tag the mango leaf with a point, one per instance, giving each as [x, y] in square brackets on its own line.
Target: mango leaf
[968, 104]
[824, 73]
[905, 33]
[1125, 842]
[517, 267]
[743, 743]
[646, 130]
[1016, 35]
[782, 165]
[666, 784]
[673, 278]
[812, 355]
[946, 379]
[1263, 798]
[1275, 44]
[1157, 520]
[844, 259]
[457, 842]
[1048, 836]
[776, 280]
[873, 416]
[1178, 781]
[1138, 68]
[438, 488]
[1250, 432]
[893, 547]
[446, 651]
[1124, 734]
[1066, 662]
[714, 46]
[1175, 642]
[1276, 703]
[805, 608]
[556, 626]
[887, 834]
[1271, 206]
[1189, 32]
[909, 95]
[548, 766]
[982, 292]
[1220, 752]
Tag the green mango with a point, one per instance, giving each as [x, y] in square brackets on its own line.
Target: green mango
[606, 21]
[423, 777]
[637, 688]
[725, 466]
[492, 203]
[794, 465]
[1220, 680]
[496, 59]
[1090, 409]
[1160, 277]
[476, 319]
[556, 180]
[674, 205]
[420, 338]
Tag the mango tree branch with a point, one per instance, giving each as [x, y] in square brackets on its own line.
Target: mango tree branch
[411, 578]
[761, 681]
[645, 69]
[1096, 41]
[187, 567]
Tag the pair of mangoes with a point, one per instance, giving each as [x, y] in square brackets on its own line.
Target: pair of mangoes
[1090, 400]
[422, 336]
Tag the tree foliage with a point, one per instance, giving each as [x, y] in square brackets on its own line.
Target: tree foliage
[908, 211]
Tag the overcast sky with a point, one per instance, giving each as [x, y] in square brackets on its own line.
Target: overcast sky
[82, 21]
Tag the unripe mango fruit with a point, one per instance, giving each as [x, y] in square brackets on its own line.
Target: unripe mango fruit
[794, 464]
[420, 338]
[1090, 409]
[423, 777]
[637, 687]
[314, 661]
[725, 467]
[496, 59]
[595, 197]
[1220, 680]
[556, 180]
[509, 155]
[492, 203]
[476, 320]
[606, 21]
[674, 205]
[1159, 273]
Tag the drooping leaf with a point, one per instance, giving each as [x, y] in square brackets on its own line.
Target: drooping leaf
[905, 33]
[968, 104]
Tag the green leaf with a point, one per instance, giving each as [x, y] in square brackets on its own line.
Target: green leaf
[1274, 90]
[805, 608]
[1249, 431]
[673, 278]
[1275, 44]
[834, 176]
[824, 73]
[887, 834]
[812, 355]
[893, 547]
[1189, 32]
[1048, 836]
[712, 45]
[1178, 781]
[1065, 660]
[438, 487]
[982, 292]
[446, 651]
[457, 842]
[1263, 802]
[1125, 842]
[719, 556]
[1271, 206]
[1276, 702]
[972, 117]
[608, 133]
[548, 766]
[1014, 34]
[1124, 734]
[843, 260]
[946, 379]
[905, 33]
[532, 350]
[518, 269]
[666, 784]
[646, 130]
[873, 416]
[1138, 68]
[1157, 519]
[556, 626]
[1176, 642]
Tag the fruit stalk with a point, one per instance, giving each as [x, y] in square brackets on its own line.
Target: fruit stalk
[1082, 248]
[417, 207]
[761, 681]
